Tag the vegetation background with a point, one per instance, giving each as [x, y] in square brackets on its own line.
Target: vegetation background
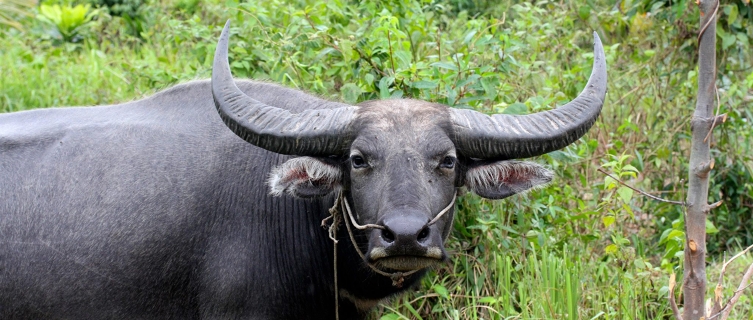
[584, 247]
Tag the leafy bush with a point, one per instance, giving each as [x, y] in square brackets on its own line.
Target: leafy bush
[586, 245]
[130, 8]
[67, 22]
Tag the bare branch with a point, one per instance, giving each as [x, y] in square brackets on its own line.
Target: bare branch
[641, 191]
[724, 313]
[715, 205]
[717, 117]
[717, 308]
[328, 39]
[672, 302]
[392, 58]
[370, 61]
[724, 266]
[746, 278]
[708, 23]
[718, 103]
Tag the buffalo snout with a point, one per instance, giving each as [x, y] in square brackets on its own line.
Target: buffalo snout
[406, 242]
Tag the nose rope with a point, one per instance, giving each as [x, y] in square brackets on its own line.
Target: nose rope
[447, 208]
[376, 226]
[353, 220]
[396, 277]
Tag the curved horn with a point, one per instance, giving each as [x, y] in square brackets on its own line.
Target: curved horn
[313, 132]
[503, 136]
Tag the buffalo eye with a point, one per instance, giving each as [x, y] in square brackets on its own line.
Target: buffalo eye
[358, 162]
[448, 162]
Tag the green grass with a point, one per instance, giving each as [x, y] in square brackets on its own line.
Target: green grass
[580, 248]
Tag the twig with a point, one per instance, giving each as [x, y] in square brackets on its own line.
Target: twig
[672, 302]
[716, 90]
[717, 309]
[641, 191]
[641, 86]
[724, 313]
[715, 205]
[392, 59]
[370, 61]
[724, 266]
[327, 38]
[716, 116]
[708, 23]
[746, 278]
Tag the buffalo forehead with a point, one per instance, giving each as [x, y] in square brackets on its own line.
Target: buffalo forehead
[389, 115]
[404, 123]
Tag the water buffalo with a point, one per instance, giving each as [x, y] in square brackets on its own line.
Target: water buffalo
[153, 209]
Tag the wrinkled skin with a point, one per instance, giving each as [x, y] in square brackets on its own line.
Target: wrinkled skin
[409, 174]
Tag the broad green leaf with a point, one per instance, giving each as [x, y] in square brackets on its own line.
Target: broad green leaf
[625, 194]
[422, 84]
[350, 93]
[489, 86]
[608, 221]
[391, 316]
[663, 291]
[732, 14]
[412, 310]
[638, 263]
[489, 300]
[584, 12]
[368, 78]
[612, 249]
[469, 36]
[516, 108]
[384, 86]
[710, 228]
[728, 40]
[676, 235]
[627, 209]
[441, 291]
[445, 65]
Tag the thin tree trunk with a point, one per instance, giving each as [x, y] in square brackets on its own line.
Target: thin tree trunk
[694, 274]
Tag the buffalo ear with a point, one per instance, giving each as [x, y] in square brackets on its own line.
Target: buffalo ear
[305, 177]
[501, 179]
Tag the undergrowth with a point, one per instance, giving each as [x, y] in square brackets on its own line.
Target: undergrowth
[584, 247]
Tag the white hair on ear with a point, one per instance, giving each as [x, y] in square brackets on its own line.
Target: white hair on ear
[519, 176]
[294, 172]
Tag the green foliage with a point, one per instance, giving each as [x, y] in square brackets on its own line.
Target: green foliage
[130, 8]
[67, 21]
[130, 12]
[582, 247]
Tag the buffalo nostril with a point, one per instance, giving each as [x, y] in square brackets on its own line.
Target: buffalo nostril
[423, 234]
[387, 235]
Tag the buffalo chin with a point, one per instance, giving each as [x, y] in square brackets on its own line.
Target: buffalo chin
[405, 263]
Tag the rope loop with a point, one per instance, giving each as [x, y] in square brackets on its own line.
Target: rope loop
[336, 215]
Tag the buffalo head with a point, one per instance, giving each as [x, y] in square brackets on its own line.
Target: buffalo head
[399, 163]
